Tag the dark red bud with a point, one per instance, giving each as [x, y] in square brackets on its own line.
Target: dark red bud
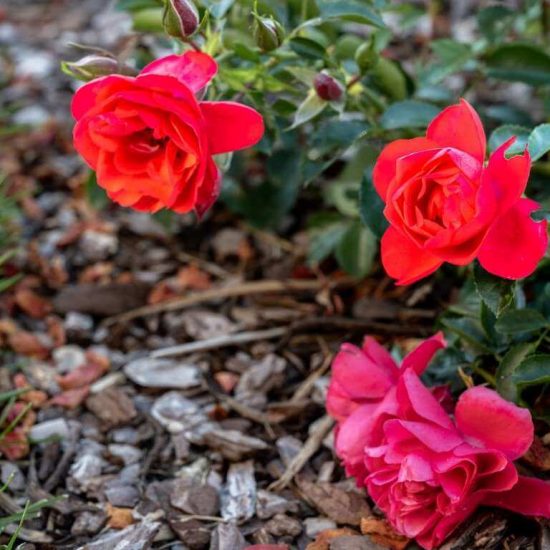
[327, 87]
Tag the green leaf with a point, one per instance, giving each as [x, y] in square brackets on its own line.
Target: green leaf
[469, 331]
[355, 251]
[309, 108]
[350, 10]
[519, 62]
[96, 195]
[505, 372]
[533, 371]
[516, 321]
[9, 281]
[148, 20]
[539, 141]
[495, 292]
[505, 132]
[305, 47]
[453, 57]
[408, 114]
[324, 240]
[371, 208]
[218, 8]
[495, 21]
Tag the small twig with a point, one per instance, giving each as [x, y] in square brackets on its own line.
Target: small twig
[209, 267]
[304, 388]
[244, 289]
[307, 451]
[63, 465]
[220, 342]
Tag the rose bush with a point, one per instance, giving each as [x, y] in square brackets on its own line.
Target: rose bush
[444, 205]
[151, 141]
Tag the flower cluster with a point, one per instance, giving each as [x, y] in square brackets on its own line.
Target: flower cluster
[426, 469]
[445, 205]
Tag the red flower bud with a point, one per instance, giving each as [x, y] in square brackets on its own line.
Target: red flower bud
[327, 87]
[180, 18]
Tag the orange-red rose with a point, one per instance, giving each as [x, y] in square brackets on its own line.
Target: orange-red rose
[151, 141]
[445, 205]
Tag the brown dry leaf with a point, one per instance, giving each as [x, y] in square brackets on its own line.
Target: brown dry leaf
[29, 344]
[538, 456]
[226, 380]
[381, 532]
[192, 277]
[347, 507]
[35, 397]
[56, 330]
[81, 376]
[119, 518]
[32, 304]
[97, 273]
[70, 399]
[322, 541]
[112, 406]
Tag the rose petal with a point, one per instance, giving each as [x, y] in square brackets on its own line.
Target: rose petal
[416, 402]
[358, 375]
[381, 357]
[419, 358]
[386, 165]
[515, 243]
[459, 126]
[404, 260]
[529, 497]
[231, 126]
[490, 421]
[503, 182]
[209, 190]
[194, 69]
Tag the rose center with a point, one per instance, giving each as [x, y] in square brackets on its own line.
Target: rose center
[145, 143]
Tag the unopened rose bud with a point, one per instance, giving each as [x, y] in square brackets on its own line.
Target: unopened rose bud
[180, 18]
[94, 66]
[366, 56]
[327, 87]
[268, 33]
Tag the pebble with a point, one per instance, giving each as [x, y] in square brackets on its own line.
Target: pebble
[78, 325]
[97, 246]
[281, 526]
[127, 453]
[68, 358]
[163, 373]
[201, 500]
[11, 475]
[122, 494]
[238, 497]
[57, 427]
[226, 536]
[135, 537]
[88, 523]
[177, 413]
[313, 526]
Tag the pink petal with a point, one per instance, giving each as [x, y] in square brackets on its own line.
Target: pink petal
[404, 260]
[417, 403]
[380, 355]
[515, 243]
[194, 69]
[358, 375]
[459, 126]
[529, 496]
[231, 126]
[490, 421]
[419, 358]
[435, 438]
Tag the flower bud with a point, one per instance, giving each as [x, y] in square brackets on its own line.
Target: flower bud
[327, 87]
[180, 18]
[366, 56]
[268, 33]
[94, 66]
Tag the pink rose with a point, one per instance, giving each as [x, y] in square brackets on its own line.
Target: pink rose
[430, 473]
[362, 394]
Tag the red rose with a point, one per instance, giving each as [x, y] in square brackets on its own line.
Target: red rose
[445, 205]
[151, 141]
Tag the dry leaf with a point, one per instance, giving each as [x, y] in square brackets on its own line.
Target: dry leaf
[381, 532]
[347, 507]
[32, 304]
[70, 399]
[119, 518]
[322, 541]
[538, 456]
[29, 344]
[81, 376]
[35, 397]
